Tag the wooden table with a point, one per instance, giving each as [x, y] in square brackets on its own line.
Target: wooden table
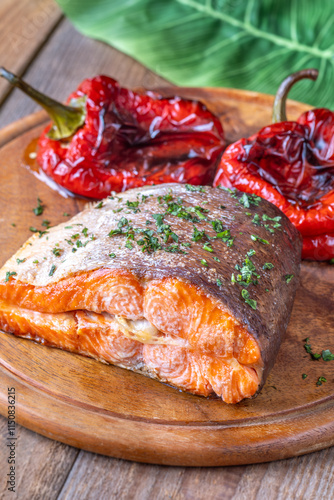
[37, 42]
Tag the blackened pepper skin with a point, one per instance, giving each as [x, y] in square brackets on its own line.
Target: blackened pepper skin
[291, 164]
[108, 138]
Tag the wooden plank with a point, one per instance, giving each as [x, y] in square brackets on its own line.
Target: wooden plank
[24, 27]
[122, 480]
[66, 60]
[42, 465]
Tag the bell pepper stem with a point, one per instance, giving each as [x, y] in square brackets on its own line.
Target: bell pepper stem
[279, 108]
[66, 119]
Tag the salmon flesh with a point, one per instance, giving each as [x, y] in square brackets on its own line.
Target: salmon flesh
[190, 285]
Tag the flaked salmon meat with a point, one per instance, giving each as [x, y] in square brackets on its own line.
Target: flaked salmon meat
[190, 285]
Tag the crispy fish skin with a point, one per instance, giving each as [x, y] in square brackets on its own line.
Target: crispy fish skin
[121, 238]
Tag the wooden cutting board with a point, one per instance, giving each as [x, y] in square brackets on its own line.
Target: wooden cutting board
[112, 411]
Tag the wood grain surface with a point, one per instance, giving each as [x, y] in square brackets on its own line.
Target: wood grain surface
[47, 469]
[116, 412]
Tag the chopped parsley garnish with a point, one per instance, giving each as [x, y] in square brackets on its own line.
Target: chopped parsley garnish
[308, 349]
[204, 263]
[52, 270]
[249, 199]
[148, 242]
[112, 255]
[57, 252]
[304, 376]
[9, 274]
[216, 259]
[268, 265]
[68, 227]
[35, 261]
[195, 189]
[34, 230]
[13, 224]
[133, 205]
[85, 231]
[219, 282]
[250, 302]
[321, 380]
[261, 240]
[46, 223]
[207, 247]
[256, 220]
[20, 261]
[327, 355]
[99, 205]
[65, 214]
[39, 209]
[288, 277]
[198, 235]
[129, 245]
[174, 249]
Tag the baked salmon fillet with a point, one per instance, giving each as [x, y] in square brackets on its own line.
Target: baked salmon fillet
[190, 285]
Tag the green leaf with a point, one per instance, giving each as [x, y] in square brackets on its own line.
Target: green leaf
[242, 44]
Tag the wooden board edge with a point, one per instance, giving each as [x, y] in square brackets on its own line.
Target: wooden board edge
[165, 444]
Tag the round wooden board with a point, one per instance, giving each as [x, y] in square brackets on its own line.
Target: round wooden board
[115, 412]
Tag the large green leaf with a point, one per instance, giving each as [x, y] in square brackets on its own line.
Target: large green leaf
[231, 43]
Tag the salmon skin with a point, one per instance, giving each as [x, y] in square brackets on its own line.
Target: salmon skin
[190, 285]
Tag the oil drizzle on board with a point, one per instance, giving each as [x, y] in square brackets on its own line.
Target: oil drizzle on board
[30, 163]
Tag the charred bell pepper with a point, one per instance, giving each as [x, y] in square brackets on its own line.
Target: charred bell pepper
[291, 164]
[108, 138]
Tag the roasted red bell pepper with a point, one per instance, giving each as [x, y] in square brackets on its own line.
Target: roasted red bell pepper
[290, 164]
[109, 138]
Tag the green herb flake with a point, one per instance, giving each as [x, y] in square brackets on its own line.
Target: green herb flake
[256, 220]
[195, 189]
[112, 255]
[208, 247]
[33, 229]
[288, 277]
[39, 209]
[129, 245]
[68, 227]
[261, 240]
[245, 295]
[216, 259]
[204, 263]
[13, 224]
[327, 355]
[52, 270]
[268, 265]
[304, 376]
[321, 380]
[20, 261]
[99, 205]
[219, 282]
[249, 199]
[35, 262]
[133, 205]
[85, 231]
[9, 274]
[65, 214]
[57, 251]
[46, 223]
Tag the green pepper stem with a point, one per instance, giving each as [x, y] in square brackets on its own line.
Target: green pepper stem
[279, 108]
[66, 119]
